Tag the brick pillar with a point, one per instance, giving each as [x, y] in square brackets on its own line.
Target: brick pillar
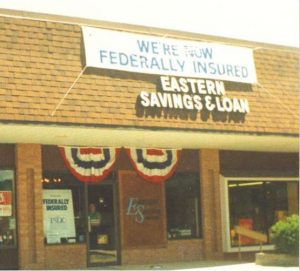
[210, 203]
[29, 206]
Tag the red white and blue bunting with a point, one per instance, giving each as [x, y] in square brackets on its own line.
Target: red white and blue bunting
[89, 164]
[154, 165]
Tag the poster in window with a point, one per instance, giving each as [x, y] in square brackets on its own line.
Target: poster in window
[5, 203]
[58, 210]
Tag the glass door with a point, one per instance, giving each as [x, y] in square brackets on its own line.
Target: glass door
[102, 224]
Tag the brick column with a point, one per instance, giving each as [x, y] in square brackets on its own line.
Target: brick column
[29, 206]
[210, 203]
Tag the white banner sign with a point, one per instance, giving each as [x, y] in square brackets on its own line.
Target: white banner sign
[157, 55]
[58, 215]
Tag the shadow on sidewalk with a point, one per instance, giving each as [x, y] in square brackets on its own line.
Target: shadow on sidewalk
[169, 266]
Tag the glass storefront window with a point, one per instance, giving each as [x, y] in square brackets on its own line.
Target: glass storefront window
[63, 207]
[257, 205]
[7, 209]
[182, 202]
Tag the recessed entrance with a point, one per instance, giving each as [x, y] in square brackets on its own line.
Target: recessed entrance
[102, 224]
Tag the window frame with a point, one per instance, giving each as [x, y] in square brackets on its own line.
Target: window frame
[225, 209]
[66, 174]
[198, 217]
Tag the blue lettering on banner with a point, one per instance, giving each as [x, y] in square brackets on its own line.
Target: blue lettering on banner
[168, 56]
[169, 64]
[153, 47]
[198, 52]
[102, 55]
[143, 46]
[139, 61]
[212, 68]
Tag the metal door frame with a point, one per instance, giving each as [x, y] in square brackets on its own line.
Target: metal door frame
[114, 184]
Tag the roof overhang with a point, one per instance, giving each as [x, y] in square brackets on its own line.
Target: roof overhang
[131, 137]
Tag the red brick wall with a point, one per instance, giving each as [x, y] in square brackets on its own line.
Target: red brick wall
[71, 256]
[33, 254]
[176, 251]
[210, 203]
[29, 206]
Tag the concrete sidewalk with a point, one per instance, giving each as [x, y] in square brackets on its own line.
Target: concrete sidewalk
[203, 266]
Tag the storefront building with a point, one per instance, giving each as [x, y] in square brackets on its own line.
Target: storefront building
[123, 145]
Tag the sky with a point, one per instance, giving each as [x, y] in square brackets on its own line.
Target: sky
[267, 21]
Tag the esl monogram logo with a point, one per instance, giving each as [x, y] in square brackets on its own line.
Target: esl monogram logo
[136, 210]
[143, 210]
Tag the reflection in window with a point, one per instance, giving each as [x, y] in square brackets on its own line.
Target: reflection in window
[182, 201]
[7, 209]
[63, 197]
[257, 205]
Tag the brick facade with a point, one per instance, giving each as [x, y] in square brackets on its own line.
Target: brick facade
[39, 60]
[176, 251]
[33, 254]
[208, 247]
[66, 256]
[29, 206]
[210, 202]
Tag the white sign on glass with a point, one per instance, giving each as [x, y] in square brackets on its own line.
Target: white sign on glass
[58, 215]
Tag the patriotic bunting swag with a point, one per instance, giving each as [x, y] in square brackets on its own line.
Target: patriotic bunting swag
[89, 164]
[154, 165]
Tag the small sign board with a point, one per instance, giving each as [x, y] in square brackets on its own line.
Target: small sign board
[58, 210]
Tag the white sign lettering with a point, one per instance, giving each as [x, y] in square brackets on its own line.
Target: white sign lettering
[193, 94]
[156, 55]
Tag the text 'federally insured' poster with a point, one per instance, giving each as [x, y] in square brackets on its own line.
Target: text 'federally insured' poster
[58, 215]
